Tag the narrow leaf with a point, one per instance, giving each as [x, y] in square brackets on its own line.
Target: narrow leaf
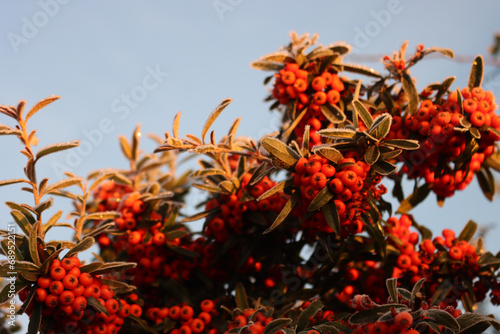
[321, 199]
[12, 181]
[279, 187]
[332, 216]
[329, 153]
[411, 92]
[125, 147]
[83, 245]
[266, 66]
[213, 116]
[372, 154]
[405, 144]
[307, 314]
[56, 148]
[63, 184]
[35, 319]
[241, 297]
[96, 305]
[21, 221]
[289, 206]
[443, 318]
[102, 215]
[365, 115]
[40, 105]
[283, 155]
[392, 285]
[414, 199]
[468, 231]
[381, 126]
[33, 245]
[476, 73]
[276, 325]
[337, 133]
[333, 113]
[486, 182]
[111, 267]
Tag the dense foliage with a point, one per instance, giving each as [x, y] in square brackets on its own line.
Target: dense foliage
[297, 235]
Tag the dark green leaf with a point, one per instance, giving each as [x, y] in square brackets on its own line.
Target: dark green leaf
[411, 92]
[44, 268]
[266, 66]
[52, 221]
[372, 315]
[469, 320]
[381, 126]
[360, 70]
[7, 294]
[24, 209]
[416, 288]
[414, 199]
[35, 319]
[100, 229]
[392, 285]
[279, 187]
[241, 297]
[285, 156]
[337, 133]
[21, 221]
[361, 111]
[276, 325]
[488, 259]
[96, 305]
[329, 153]
[33, 245]
[442, 318]
[405, 144]
[321, 199]
[372, 154]
[182, 251]
[303, 320]
[468, 231]
[333, 113]
[143, 324]
[83, 245]
[102, 215]
[207, 172]
[289, 206]
[443, 88]
[111, 267]
[332, 216]
[384, 167]
[91, 267]
[476, 73]
[486, 182]
[200, 215]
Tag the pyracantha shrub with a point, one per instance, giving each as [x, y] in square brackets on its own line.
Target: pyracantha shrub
[296, 235]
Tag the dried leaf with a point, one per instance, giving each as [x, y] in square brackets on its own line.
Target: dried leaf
[175, 127]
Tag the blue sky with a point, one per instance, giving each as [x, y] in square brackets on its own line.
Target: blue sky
[119, 63]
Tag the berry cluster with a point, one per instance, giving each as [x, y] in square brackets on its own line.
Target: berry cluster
[311, 90]
[229, 220]
[442, 131]
[350, 183]
[66, 294]
[183, 319]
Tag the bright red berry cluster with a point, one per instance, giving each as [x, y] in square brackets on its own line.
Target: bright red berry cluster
[67, 296]
[350, 183]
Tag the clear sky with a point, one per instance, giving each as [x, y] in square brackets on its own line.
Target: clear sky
[119, 63]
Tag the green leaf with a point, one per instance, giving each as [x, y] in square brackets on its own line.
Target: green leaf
[381, 126]
[332, 327]
[279, 187]
[321, 199]
[207, 172]
[241, 297]
[470, 320]
[486, 182]
[266, 66]
[372, 154]
[33, 245]
[337, 133]
[100, 229]
[314, 307]
[71, 181]
[392, 285]
[488, 259]
[289, 206]
[213, 116]
[183, 251]
[476, 73]
[360, 70]
[276, 325]
[287, 158]
[21, 221]
[447, 52]
[53, 148]
[111, 267]
[468, 231]
[332, 216]
[91, 267]
[52, 221]
[414, 199]
[411, 92]
[443, 88]
[12, 181]
[281, 56]
[384, 167]
[360, 109]
[83, 245]
[102, 215]
[442, 318]
[24, 209]
[96, 305]
[332, 113]
[416, 289]
[329, 153]
[372, 315]
[35, 319]
[405, 144]
[40, 105]
[7, 294]
[442, 291]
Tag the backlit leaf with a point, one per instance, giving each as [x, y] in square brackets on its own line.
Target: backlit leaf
[411, 93]
[213, 116]
[49, 149]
